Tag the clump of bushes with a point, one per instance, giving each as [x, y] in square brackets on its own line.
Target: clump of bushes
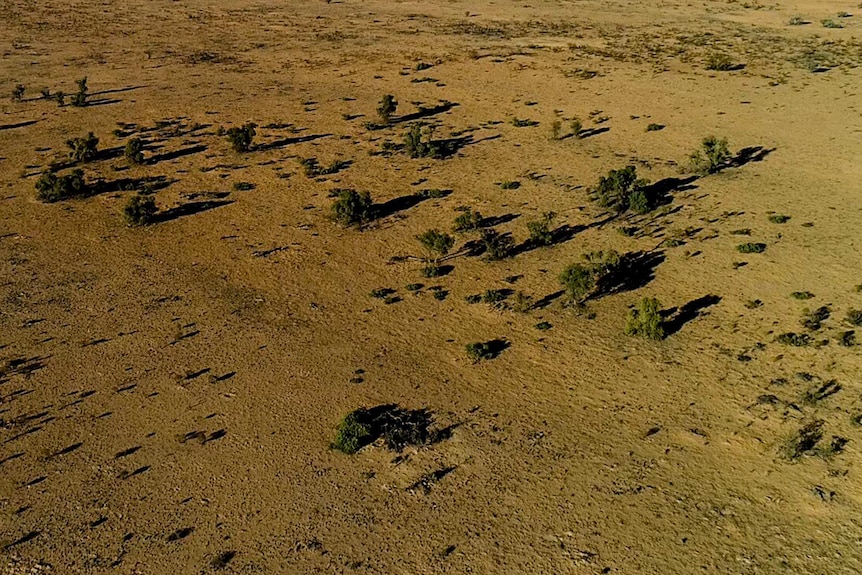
[751, 248]
[622, 190]
[812, 320]
[580, 280]
[482, 350]
[794, 339]
[312, 168]
[388, 105]
[83, 149]
[854, 317]
[437, 244]
[140, 210]
[397, 428]
[540, 230]
[79, 98]
[645, 320]
[241, 137]
[134, 151]
[53, 188]
[467, 221]
[576, 127]
[352, 432]
[712, 157]
[351, 208]
[419, 143]
[497, 246]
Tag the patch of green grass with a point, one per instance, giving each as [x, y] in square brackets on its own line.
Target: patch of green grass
[543, 326]
[751, 248]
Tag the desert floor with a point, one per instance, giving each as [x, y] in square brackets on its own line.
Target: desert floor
[169, 392]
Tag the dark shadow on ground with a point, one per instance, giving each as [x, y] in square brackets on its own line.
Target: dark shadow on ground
[189, 209]
[677, 318]
[18, 125]
[288, 141]
[168, 156]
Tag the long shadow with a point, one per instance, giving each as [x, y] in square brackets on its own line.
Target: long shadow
[636, 270]
[661, 192]
[547, 300]
[692, 310]
[492, 221]
[105, 102]
[189, 209]
[288, 141]
[18, 125]
[396, 205]
[118, 90]
[168, 156]
[590, 132]
[425, 112]
[154, 183]
[749, 155]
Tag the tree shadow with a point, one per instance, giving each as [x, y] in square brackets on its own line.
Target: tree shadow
[590, 132]
[117, 90]
[547, 300]
[660, 193]
[492, 221]
[168, 156]
[153, 183]
[103, 102]
[18, 125]
[288, 141]
[189, 209]
[395, 205]
[424, 112]
[749, 155]
[399, 427]
[677, 318]
[636, 270]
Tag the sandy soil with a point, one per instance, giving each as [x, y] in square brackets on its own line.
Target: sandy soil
[168, 393]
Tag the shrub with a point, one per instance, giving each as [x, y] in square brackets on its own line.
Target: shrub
[479, 351]
[509, 185]
[79, 99]
[556, 129]
[796, 21]
[83, 149]
[351, 208]
[779, 219]
[352, 432]
[645, 320]
[497, 246]
[240, 138]
[719, 62]
[522, 302]
[418, 142]
[519, 123]
[540, 230]
[437, 243]
[467, 221]
[847, 338]
[802, 295]
[713, 156]
[653, 127]
[581, 279]
[812, 320]
[45, 93]
[639, 202]
[52, 188]
[388, 105]
[616, 188]
[794, 339]
[18, 93]
[828, 23]
[60, 98]
[576, 127]
[751, 248]
[854, 317]
[432, 271]
[313, 169]
[140, 210]
[134, 151]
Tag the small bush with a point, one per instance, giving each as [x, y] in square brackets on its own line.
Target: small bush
[654, 127]
[751, 248]
[18, 93]
[576, 128]
[45, 93]
[382, 293]
[794, 339]
[134, 151]
[796, 21]
[60, 98]
[847, 338]
[645, 320]
[556, 129]
[522, 302]
[352, 208]
[778, 219]
[480, 350]
[497, 246]
[719, 62]
[473, 298]
[414, 287]
[83, 149]
[581, 279]
[712, 157]
[352, 432]
[615, 189]
[312, 168]
[854, 317]
[509, 185]
[540, 230]
[639, 202]
[140, 210]
[52, 188]
[828, 23]
[802, 295]
[388, 105]
[432, 271]
[240, 138]
[519, 123]
[493, 296]
[813, 320]
[418, 142]
[467, 221]
[437, 243]
[79, 98]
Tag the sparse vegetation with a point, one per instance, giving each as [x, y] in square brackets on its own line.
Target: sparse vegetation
[436, 243]
[779, 219]
[796, 21]
[581, 279]
[140, 210]
[719, 62]
[576, 128]
[794, 339]
[712, 157]
[854, 317]
[480, 351]
[241, 137]
[802, 295]
[829, 23]
[53, 188]
[467, 221]
[813, 320]
[509, 184]
[751, 248]
[18, 92]
[351, 208]
[520, 123]
[134, 151]
[83, 150]
[497, 246]
[556, 129]
[645, 320]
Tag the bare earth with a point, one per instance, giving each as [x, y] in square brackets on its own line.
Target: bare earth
[169, 393]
